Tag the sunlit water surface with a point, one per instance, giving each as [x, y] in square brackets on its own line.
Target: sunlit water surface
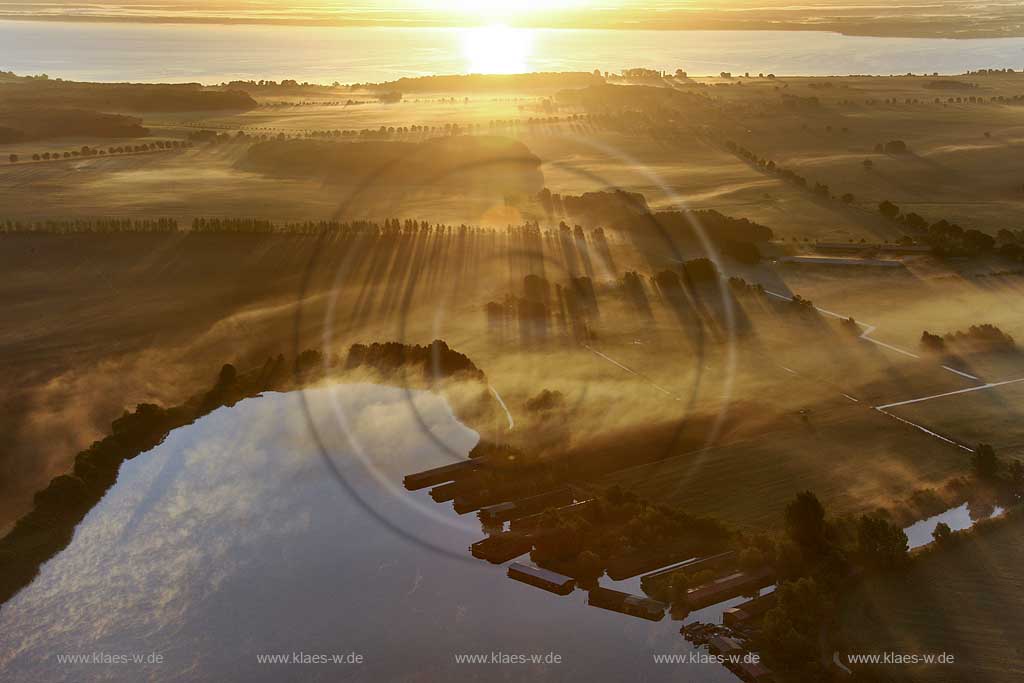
[232, 539]
[957, 519]
[217, 53]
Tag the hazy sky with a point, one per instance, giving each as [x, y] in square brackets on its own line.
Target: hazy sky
[997, 16]
[413, 11]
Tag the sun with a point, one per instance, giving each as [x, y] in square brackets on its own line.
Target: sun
[496, 49]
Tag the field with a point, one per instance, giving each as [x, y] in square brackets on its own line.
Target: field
[756, 376]
[774, 401]
[964, 600]
[953, 171]
[991, 416]
[901, 305]
[853, 458]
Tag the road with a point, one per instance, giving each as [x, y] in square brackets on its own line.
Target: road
[501, 402]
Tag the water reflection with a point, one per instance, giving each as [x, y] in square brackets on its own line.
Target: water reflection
[958, 519]
[212, 54]
[230, 539]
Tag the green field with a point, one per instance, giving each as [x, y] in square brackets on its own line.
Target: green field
[994, 416]
[852, 457]
[967, 600]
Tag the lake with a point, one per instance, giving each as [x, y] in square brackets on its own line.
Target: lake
[217, 53]
[233, 540]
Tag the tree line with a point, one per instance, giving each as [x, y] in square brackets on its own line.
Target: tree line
[86, 151]
[223, 225]
[90, 225]
[945, 238]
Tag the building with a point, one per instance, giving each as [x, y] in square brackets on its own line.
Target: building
[440, 475]
[728, 587]
[697, 564]
[742, 614]
[504, 512]
[724, 645]
[502, 547]
[580, 508]
[542, 578]
[754, 671]
[633, 605]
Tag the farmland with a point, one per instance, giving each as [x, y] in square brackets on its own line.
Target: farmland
[963, 600]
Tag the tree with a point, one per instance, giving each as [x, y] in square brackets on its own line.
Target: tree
[805, 520]
[308, 361]
[702, 577]
[942, 533]
[888, 209]
[700, 270]
[847, 198]
[589, 566]
[789, 560]
[1017, 474]
[227, 376]
[932, 342]
[915, 221]
[978, 241]
[751, 558]
[679, 594]
[790, 632]
[985, 462]
[880, 543]
[13, 158]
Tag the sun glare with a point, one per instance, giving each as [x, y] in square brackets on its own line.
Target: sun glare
[497, 49]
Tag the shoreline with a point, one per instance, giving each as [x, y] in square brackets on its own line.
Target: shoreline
[48, 527]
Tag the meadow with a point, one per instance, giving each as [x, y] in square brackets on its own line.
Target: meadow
[963, 600]
[159, 313]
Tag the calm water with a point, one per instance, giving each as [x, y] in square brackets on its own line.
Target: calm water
[958, 518]
[231, 540]
[212, 54]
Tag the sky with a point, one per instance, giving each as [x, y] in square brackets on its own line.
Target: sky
[302, 8]
[945, 18]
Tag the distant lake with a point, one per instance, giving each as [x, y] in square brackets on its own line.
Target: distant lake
[232, 539]
[217, 53]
